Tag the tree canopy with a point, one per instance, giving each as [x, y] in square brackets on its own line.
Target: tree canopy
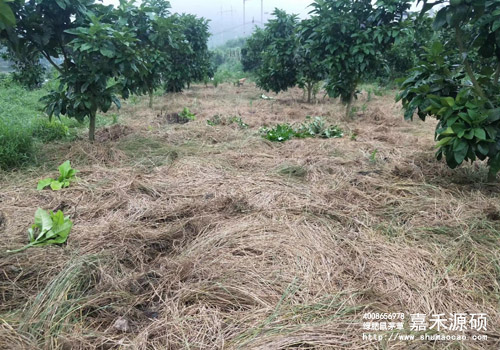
[456, 81]
[102, 53]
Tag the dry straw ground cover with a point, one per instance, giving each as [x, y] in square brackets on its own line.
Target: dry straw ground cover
[189, 236]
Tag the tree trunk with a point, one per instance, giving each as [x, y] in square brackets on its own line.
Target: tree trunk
[349, 106]
[309, 91]
[150, 98]
[468, 68]
[348, 110]
[92, 126]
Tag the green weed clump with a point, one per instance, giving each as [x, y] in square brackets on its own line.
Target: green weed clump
[310, 128]
[218, 120]
[280, 133]
[18, 107]
[317, 128]
[186, 114]
[16, 144]
[22, 123]
[47, 131]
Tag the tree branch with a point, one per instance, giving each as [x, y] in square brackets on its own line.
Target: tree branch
[468, 69]
[47, 57]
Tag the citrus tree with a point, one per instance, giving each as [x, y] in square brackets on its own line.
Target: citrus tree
[310, 66]
[349, 35]
[93, 58]
[395, 62]
[278, 69]
[151, 51]
[457, 83]
[189, 57]
[280, 57]
[28, 69]
[251, 52]
[102, 58]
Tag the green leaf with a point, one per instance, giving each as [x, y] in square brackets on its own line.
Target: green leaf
[51, 229]
[107, 52]
[483, 148]
[444, 141]
[6, 15]
[460, 152]
[495, 26]
[494, 164]
[43, 220]
[56, 185]
[448, 132]
[43, 183]
[61, 4]
[64, 169]
[492, 132]
[469, 135]
[60, 232]
[459, 129]
[493, 115]
[448, 101]
[440, 19]
[31, 233]
[480, 134]
[116, 101]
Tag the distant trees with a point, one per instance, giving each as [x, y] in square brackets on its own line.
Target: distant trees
[342, 42]
[106, 52]
[277, 70]
[311, 66]
[251, 52]
[190, 58]
[279, 55]
[349, 36]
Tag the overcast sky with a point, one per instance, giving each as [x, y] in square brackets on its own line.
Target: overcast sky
[226, 16]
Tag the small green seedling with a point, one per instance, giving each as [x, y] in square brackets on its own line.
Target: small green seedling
[49, 228]
[238, 121]
[216, 120]
[186, 114]
[67, 174]
[373, 156]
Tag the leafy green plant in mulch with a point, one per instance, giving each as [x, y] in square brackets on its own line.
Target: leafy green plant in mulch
[49, 228]
[316, 127]
[219, 120]
[280, 133]
[312, 127]
[187, 114]
[67, 175]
